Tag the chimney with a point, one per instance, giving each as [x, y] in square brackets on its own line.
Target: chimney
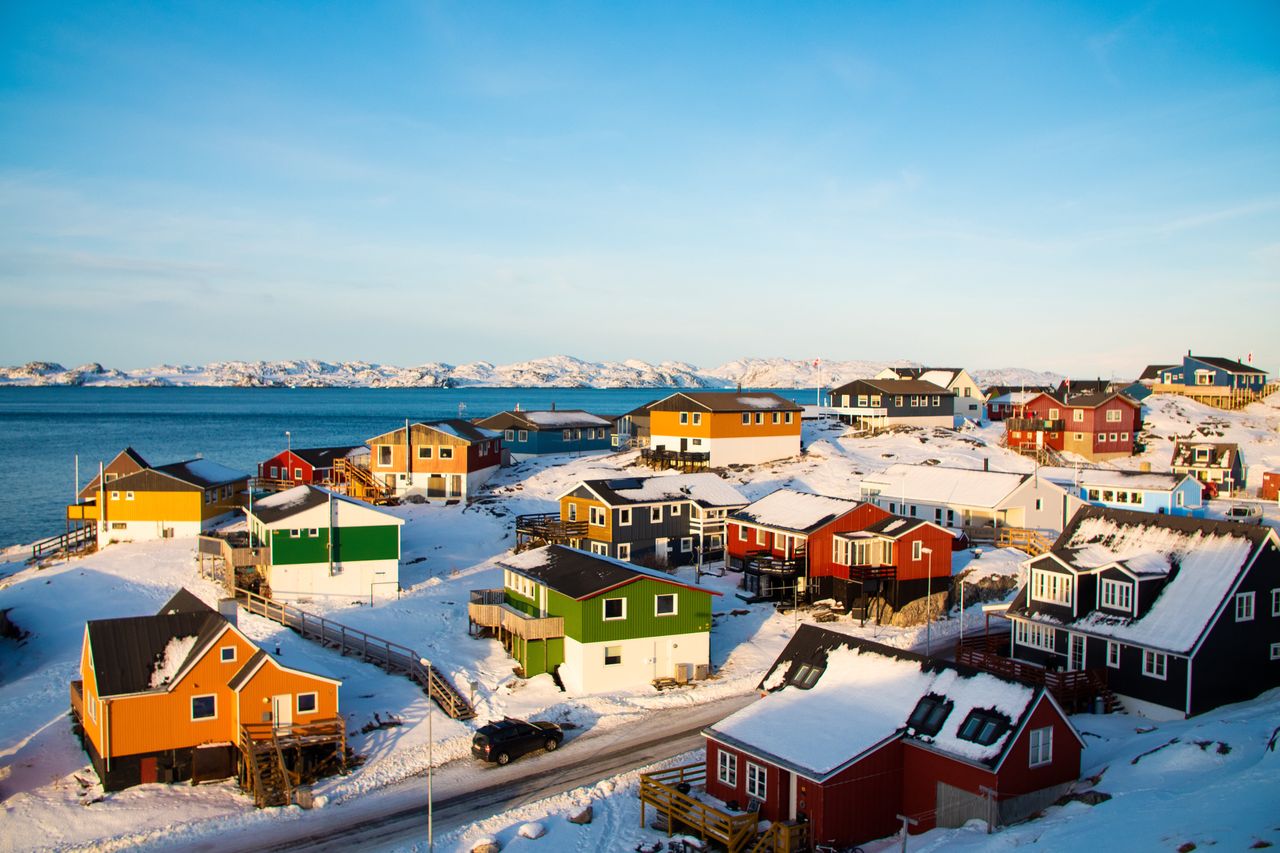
[986, 463]
[227, 609]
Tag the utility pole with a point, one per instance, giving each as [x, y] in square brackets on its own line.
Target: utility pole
[928, 603]
[431, 743]
[906, 822]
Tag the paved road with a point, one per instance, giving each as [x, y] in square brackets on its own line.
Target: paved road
[465, 793]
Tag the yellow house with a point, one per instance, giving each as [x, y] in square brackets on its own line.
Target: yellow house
[733, 427]
[179, 499]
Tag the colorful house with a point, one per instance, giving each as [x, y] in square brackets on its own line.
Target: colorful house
[526, 435]
[969, 399]
[850, 734]
[871, 404]
[967, 497]
[448, 459]
[1142, 491]
[632, 429]
[1218, 465]
[658, 521]
[137, 502]
[1209, 371]
[169, 697]
[321, 544]
[308, 465]
[1175, 615]
[1270, 490]
[729, 427]
[1098, 427]
[597, 623]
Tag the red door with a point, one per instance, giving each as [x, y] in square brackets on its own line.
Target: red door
[147, 770]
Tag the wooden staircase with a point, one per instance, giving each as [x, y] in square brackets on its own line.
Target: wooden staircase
[357, 481]
[75, 539]
[782, 837]
[318, 749]
[1110, 702]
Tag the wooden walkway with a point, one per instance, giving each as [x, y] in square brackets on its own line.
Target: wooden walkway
[75, 539]
[393, 657]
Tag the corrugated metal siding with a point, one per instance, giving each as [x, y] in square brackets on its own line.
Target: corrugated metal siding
[584, 621]
[350, 544]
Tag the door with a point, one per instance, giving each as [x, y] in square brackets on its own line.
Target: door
[1039, 440]
[282, 710]
[147, 770]
[1077, 660]
[660, 549]
[956, 806]
[684, 445]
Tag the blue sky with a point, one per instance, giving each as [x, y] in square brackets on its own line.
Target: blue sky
[1076, 187]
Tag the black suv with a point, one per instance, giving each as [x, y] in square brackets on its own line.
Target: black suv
[510, 738]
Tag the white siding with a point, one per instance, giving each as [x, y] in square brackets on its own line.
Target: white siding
[584, 669]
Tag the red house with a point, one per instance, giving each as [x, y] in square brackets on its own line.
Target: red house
[1096, 426]
[895, 559]
[309, 465]
[851, 734]
[1270, 486]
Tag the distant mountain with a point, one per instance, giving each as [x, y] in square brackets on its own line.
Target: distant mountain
[558, 371]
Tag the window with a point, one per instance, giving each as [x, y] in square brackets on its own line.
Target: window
[615, 608]
[1041, 746]
[1155, 664]
[742, 537]
[746, 418]
[601, 548]
[307, 703]
[807, 675]
[297, 474]
[777, 417]
[757, 779]
[509, 435]
[684, 417]
[1079, 436]
[1051, 586]
[424, 452]
[567, 435]
[1275, 602]
[930, 713]
[664, 605]
[446, 453]
[675, 510]
[727, 769]
[573, 512]
[983, 727]
[759, 417]
[208, 497]
[624, 551]
[1275, 651]
[1039, 504]
[937, 399]
[1053, 414]
[613, 655]
[761, 536]
[1117, 595]
[686, 544]
[1034, 635]
[597, 516]
[314, 532]
[1115, 436]
[1113, 654]
[227, 654]
[1244, 607]
[522, 436]
[204, 707]
[697, 418]
[788, 417]
[384, 455]
[1077, 415]
[1113, 416]
[624, 517]
[655, 515]
[295, 533]
[274, 471]
[917, 549]
[1124, 436]
[128, 496]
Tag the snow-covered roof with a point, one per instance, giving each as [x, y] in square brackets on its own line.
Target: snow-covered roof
[788, 509]
[202, 472]
[705, 489]
[1148, 480]
[863, 698]
[291, 502]
[565, 419]
[944, 485]
[1015, 398]
[580, 574]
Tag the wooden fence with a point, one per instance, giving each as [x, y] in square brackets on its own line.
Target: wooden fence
[666, 790]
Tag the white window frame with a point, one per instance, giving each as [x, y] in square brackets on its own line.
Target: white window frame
[757, 781]
[675, 510]
[788, 417]
[1077, 416]
[696, 418]
[1275, 602]
[727, 769]
[509, 435]
[684, 418]
[1114, 416]
[624, 551]
[600, 548]
[295, 533]
[617, 662]
[604, 609]
[917, 548]
[1113, 654]
[313, 532]
[315, 707]
[675, 604]
[686, 544]
[445, 453]
[275, 471]
[1117, 595]
[1040, 752]
[384, 450]
[573, 511]
[597, 516]
[1275, 651]
[624, 517]
[424, 451]
[192, 707]
[115, 496]
[1052, 587]
[522, 436]
[742, 537]
[746, 419]
[1155, 665]
[1245, 609]
[222, 654]
[761, 536]
[1034, 635]
[655, 514]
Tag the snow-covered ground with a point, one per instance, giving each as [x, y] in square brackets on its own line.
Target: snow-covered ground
[47, 789]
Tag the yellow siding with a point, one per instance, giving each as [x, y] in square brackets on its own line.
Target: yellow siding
[155, 506]
[601, 534]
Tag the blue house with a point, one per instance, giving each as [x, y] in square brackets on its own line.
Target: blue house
[1205, 371]
[539, 433]
[1141, 491]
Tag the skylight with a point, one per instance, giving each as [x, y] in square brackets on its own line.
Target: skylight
[983, 727]
[930, 713]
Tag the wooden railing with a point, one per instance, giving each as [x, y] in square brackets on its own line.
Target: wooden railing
[488, 608]
[395, 658]
[682, 460]
[77, 700]
[1073, 690]
[782, 837]
[1034, 542]
[75, 539]
[357, 481]
[661, 790]
[274, 484]
[547, 527]
[238, 553]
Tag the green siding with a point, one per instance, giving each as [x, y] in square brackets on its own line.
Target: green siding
[350, 545]
[584, 620]
[539, 656]
[522, 603]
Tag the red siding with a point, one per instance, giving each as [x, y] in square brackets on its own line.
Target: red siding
[1270, 486]
[476, 461]
[777, 802]
[858, 804]
[937, 563]
[817, 544]
[1017, 777]
[286, 461]
[922, 771]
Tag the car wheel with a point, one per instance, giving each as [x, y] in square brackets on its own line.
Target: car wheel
[503, 759]
[552, 743]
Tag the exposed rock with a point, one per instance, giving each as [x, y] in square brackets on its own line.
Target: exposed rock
[532, 829]
[487, 844]
[582, 817]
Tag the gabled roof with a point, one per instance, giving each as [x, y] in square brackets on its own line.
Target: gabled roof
[1227, 364]
[1222, 454]
[705, 489]
[894, 387]
[727, 401]
[454, 427]
[184, 601]
[127, 461]
[242, 676]
[788, 509]
[1094, 399]
[862, 698]
[580, 574]
[1147, 480]
[322, 457]
[202, 473]
[299, 499]
[895, 526]
[1152, 371]
[554, 419]
[1202, 559]
[127, 651]
[945, 485]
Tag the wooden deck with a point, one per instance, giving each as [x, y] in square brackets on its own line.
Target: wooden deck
[76, 539]
[276, 760]
[392, 657]
[1075, 691]
[1217, 397]
[547, 528]
[357, 481]
[1033, 542]
[684, 461]
[661, 789]
[488, 608]
[231, 560]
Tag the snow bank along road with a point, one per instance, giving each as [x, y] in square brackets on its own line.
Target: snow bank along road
[468, 792]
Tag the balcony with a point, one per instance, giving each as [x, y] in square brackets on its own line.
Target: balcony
[680, 460]
[77, 700]
[82, 512]
[1034, 424]
[547, 528]
[488, 608]
[234, 548]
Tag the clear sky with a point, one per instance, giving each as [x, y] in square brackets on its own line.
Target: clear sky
[1081, 187]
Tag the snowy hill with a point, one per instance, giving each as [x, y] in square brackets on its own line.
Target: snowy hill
[559, 371]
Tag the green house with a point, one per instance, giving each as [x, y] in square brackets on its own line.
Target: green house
[600, 623]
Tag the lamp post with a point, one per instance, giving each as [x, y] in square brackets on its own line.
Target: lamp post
[288, 455]
[431, 743]
[928, 602]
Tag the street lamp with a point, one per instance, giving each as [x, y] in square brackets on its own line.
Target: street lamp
[431, 743]
[928, 602]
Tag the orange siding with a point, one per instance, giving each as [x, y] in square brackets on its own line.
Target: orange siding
[420, 437]
[92, 728]
[724, 424]
[271, 680]
[601, 534]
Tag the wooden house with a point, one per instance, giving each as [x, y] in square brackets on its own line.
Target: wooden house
[969, 399]
[597, 623]
[725, 427]
[1175, 615]
[1217, 464]
[631, 429]
[530, 434]
[1209, 371]
[447, 459]
[657, 521]
[850, 734]
[320, 544]
[1270, 490]
[184, 694]
[959, 498]
[307, 465]
[127, 461]
[1142, 491]
[1098, 427]
[890, 562]
[160, 502]
[874, 404]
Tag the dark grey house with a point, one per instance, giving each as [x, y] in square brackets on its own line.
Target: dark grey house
[883, 403]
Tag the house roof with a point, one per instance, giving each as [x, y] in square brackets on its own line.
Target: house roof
[1152, 371]
[1201, 558]
[862, 698]
[893, 527]
[1092, 399]
[128, 652]
[322, 457]
[1227, 364]
[580, 574]
[246, 672]
[1221, 454]
[184, 601]
[549, 420]
[945, 485]
[728, 401]
[788, 509]
[127, 461]
[704, 489]
[895, 386]
[1148, 480]
[299, 499]
[204, 473]
[455, 427]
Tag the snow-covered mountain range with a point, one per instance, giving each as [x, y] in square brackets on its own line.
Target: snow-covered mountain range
[558, 371]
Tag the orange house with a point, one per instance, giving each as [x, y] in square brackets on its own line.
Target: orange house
[733, 427]
[446, 459]
[171, 697]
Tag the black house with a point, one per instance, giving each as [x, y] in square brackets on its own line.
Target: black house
[1180, 614]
